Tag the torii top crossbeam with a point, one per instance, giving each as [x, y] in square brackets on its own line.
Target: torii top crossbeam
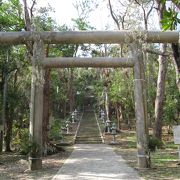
[75, 37]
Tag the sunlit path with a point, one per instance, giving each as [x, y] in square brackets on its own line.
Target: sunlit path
[95, 161]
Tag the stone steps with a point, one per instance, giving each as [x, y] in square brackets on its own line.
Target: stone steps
[88, 131]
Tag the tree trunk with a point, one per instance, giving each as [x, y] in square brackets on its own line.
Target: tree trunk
[71, 93]
[161, 7]
[64, 109]
[46, 104]
[8, 130]
[4, 106]
[1, 141]
[119, 115]
[65, 101]
[160, 94]
[176, 54]
[151, 84]
[27, 22]
[106, 101]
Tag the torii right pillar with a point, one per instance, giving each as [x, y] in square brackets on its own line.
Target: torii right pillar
[140, 108]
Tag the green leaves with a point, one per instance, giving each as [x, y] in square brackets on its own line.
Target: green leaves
[170, 19]
[162, 1]
[11, 16]
[81, 24]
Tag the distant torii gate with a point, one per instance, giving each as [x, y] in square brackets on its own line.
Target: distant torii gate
[39, 62]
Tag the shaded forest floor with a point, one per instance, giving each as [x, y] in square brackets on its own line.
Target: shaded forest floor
[15, 166]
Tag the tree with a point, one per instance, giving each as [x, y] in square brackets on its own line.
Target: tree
[170, 21]
[10, 20]
[121, 95]
[147, 7]
[161, 79]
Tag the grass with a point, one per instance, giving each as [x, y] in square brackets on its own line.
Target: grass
[161, 158]
[164, 164]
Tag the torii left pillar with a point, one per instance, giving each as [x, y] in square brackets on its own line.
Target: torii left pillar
[36, 106]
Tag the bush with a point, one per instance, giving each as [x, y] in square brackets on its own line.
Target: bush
[20, 140]
[55, 127]
[24, 142]
[154, 143]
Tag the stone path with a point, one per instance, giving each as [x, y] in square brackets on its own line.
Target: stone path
[95, 162]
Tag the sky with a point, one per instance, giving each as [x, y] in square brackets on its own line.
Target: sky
[99, 18]
[65, 11]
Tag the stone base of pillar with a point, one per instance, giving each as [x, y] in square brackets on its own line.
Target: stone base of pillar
[143, 162]
[35, 163]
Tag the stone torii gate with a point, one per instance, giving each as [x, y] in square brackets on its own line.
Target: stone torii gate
[39, 62]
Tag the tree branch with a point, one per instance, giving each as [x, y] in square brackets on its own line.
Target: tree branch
[32, 7]
[113, 15]
[26, 17]
[137, 2]
[150, 9]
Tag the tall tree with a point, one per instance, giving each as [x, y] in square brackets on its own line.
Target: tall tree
[161, 78]
[10, 20]
[170, 21]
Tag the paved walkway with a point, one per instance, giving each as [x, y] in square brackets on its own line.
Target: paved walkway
[95, 162]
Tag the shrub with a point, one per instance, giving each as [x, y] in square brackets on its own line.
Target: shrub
[154, 143]
[54, 133]
[24, 142]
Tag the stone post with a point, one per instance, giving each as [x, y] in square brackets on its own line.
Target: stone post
[36, 106]
[140, 108]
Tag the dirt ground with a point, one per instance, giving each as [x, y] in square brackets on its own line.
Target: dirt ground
[15, 166]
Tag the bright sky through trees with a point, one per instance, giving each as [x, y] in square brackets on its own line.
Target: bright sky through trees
[100, 18]
[65, 11]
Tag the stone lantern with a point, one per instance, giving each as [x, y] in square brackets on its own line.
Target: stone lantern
[67, 126]
[108, 124]
[62, 136]
[114, 132]
[76, 113]
[73, 117]
[103, 116]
